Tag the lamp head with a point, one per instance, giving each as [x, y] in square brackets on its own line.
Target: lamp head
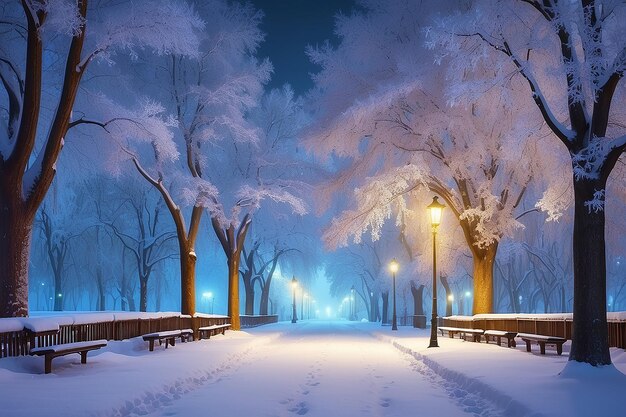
[294, 282]
[394, 265]
[435, 208]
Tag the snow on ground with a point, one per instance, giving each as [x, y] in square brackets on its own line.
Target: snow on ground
[313, 368]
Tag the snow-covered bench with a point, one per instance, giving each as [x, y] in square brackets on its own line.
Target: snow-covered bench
[51, 352]
[168, 336]
[211, 330]
[542, 341]
[474, 333]
[499, 334]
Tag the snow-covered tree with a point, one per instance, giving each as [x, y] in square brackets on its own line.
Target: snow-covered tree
[380, 105]
[138, 224]
[223, 170]
[36, 111]
[571, 55]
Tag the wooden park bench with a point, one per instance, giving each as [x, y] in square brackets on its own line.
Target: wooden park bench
[212, 330]
[168, 336]
[542, 341]
[499, 334]
[474, 333]
[51, 352]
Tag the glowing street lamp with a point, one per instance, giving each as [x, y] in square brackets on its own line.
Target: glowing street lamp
[294, 285]
[393, 267]
[208, 296]
[436, 209]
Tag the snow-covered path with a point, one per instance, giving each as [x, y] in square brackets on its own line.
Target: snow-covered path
[322, 369]
[315, 368]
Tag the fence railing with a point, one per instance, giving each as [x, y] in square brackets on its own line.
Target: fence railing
[19, 342]
[253, 321]
[561, 327]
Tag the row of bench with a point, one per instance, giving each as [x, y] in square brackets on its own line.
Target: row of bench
[498, 335]
[169, 337]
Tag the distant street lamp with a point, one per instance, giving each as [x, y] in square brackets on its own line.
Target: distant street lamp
[294, 285]
[208, 296]
[305, 298]
[393, 267]
[436, 209]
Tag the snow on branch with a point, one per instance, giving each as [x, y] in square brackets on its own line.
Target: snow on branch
[165, 27]
[489, 224]
[375, 202]
[62, 16]
[596, 204]
[588, 162]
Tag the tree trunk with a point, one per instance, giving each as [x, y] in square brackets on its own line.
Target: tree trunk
[589, 328]
[265, 296]
[233, 290]
[483, 278]
[100, 285]
[373, 312]
[188, 279]
[449, 296]
[232, 243]
[418, 299]
[15, 237]
[249, 290]
[58, 290]
[143, 294]
[385, 317]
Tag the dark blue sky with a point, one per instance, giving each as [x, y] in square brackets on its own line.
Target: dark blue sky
[290, 25]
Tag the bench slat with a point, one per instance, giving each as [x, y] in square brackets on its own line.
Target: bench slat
[542, 341]
[51, 352]
[96, 344]
[209, 329]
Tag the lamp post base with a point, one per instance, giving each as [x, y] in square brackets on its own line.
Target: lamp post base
[433, 332]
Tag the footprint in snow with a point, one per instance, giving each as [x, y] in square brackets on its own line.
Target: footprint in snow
[300, 409]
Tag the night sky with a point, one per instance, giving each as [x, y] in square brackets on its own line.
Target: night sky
[291, 25]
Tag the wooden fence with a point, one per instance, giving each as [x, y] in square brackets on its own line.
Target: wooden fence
[544, 326]
[17, 343]
[253, 321]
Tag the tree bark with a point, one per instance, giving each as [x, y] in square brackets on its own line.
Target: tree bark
[589, 327]
[385, 316]
[375, 310]
[188, 279]
[249, 290]
[143, 294]
[447, 289]
[232, 244]
[58, 289]
[15, 239]
[484, 260]
[247, 278]
[418, 299]
[233, 290]
[265, 296]
[100, 285]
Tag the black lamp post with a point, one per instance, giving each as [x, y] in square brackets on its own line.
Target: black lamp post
[294, 284]
[393, 267]
[435, 208]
